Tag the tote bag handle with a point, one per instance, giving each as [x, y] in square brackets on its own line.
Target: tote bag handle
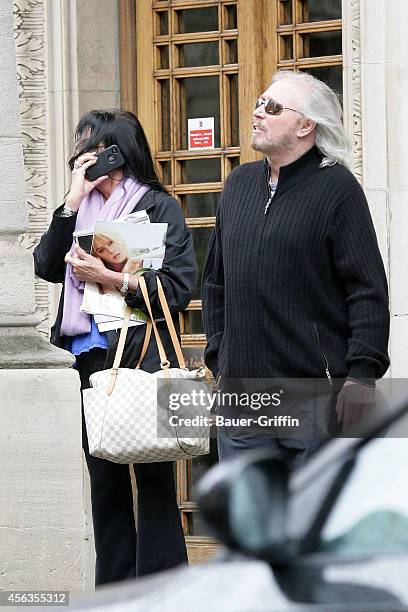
[168, 318]
[164, 363]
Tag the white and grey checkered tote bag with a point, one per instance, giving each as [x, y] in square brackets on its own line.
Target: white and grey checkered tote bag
[136, 417]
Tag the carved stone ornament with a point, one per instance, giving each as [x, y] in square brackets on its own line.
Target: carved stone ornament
[29, 34]
[356, 89]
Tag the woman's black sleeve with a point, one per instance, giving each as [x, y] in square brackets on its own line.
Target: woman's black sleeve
[178, 271]
[54, 245]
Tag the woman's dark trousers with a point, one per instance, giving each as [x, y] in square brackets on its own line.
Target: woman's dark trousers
[122, 551]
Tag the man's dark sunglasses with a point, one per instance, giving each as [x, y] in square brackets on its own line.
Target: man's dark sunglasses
[272, 107]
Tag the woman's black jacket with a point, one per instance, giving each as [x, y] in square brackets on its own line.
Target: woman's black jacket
[177, 274]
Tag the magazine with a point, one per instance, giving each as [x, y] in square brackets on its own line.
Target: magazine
[123, 246]
[84, 237]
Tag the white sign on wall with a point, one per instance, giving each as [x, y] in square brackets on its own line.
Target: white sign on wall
[201, 133]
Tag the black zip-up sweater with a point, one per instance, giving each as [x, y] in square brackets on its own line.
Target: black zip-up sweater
[298, 291]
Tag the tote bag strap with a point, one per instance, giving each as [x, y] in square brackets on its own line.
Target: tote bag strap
[168, 318]
[170, 324]
[122, 340]
[145, 344]
[119, 350]
[164, 362]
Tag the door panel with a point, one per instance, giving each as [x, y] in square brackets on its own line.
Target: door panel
[193, 73]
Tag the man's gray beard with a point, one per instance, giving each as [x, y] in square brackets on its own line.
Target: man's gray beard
[285, 144]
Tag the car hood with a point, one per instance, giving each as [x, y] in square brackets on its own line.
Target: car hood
[236, 584]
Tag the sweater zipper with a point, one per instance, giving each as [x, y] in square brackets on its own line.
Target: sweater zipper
[268, 177]
[326, 363]
[268, 203]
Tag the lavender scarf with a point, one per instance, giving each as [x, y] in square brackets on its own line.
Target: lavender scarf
[93, 207]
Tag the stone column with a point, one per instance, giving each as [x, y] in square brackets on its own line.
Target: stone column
[41, 491]
[376, 33]
[396, 85]
[376, 79]
[20, 344]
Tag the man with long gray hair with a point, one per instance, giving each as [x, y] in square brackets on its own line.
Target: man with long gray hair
[294, 285]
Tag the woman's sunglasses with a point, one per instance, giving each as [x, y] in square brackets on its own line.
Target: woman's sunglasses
[272, 107]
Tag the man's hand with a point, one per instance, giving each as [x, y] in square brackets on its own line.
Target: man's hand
[354, 401]
[89, 268]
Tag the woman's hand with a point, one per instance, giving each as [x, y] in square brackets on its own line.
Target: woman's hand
[89, 268]
[80, 186]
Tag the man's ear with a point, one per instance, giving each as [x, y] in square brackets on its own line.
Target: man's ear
[306, 127]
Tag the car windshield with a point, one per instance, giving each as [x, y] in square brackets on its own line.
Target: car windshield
[371, 513]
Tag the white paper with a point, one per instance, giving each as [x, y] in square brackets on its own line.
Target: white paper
[201, 133]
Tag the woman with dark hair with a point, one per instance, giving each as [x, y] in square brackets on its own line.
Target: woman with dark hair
[123, 129]
[122, 551]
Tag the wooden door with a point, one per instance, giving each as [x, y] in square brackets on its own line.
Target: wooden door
[201, 59]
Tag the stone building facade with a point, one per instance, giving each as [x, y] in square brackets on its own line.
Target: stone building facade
[64, 68]
[68, 62]
[70, 55]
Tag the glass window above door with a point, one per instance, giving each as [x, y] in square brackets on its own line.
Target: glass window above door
[320, 10]
[198, 54]
[196, 20]
[310, 39]
[306, 11]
